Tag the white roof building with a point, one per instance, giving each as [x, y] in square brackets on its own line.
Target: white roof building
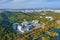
[39, 25]
[58, 21]
[21, 28]
[49, 17]
[25, 26]
[35, 21]
[17, 27]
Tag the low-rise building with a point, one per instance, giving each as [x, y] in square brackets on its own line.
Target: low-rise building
[27, 26]
[49, 17]
[21, 28]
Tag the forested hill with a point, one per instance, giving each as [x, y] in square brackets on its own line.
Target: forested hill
[7, 18]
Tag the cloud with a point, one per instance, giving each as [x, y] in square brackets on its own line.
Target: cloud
[29, 3]
[5, 1]
[52, 0]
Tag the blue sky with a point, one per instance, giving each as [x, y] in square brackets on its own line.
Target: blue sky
[16, 4]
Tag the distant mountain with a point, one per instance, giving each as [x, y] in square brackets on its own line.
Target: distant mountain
[30, 9]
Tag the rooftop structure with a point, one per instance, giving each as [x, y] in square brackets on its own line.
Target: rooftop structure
[26, 26]
[58, 21]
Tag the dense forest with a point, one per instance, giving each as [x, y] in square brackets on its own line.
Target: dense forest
[7, 18]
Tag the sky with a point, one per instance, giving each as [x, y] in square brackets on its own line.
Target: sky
[17, 4]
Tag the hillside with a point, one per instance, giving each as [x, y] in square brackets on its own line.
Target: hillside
[7, 18]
